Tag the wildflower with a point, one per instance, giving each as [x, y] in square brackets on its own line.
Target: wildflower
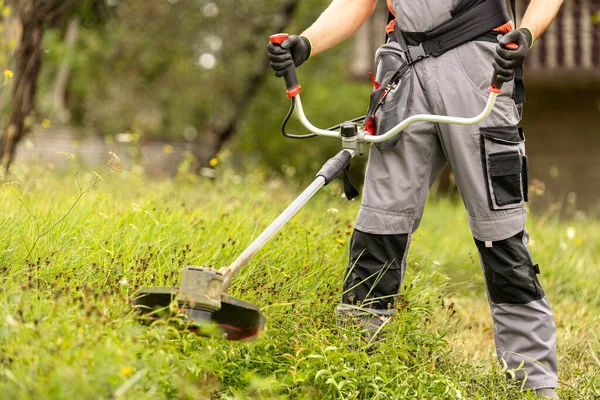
[570, 232]
[11, 321]
[537, 187]
[168, 149]
[97, 176]
[8, 75]
[12, 183]
[213, 162]
[114, 163]
[577, 242]
[123, 282]
[46, 123]
[65, 155]
[127, 370]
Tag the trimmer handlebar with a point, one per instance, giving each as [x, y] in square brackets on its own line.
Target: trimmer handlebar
[291, 79]
[293, 92]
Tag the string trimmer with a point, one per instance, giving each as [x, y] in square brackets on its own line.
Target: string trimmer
[202, 297]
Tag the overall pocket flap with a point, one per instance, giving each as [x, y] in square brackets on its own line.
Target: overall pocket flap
[505, 163]
[503, 134]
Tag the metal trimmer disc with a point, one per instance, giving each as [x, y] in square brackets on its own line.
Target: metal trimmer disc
[235, 320]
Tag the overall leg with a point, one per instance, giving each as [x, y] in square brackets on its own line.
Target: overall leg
[490, 166]
[396, 185]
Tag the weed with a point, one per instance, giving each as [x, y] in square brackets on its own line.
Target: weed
[67, 329]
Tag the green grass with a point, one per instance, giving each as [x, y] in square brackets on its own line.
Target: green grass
[67, 330]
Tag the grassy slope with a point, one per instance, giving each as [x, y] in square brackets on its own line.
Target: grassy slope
[66, 329]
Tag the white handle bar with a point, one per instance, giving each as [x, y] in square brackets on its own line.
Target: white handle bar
[366, 137]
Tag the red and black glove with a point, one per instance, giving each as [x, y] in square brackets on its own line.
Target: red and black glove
[293, 51]
[508, 59]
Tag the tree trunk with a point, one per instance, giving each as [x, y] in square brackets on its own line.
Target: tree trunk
[62, 77]
[33, 14]
[11, 32]
[217, 132]
[28, 60]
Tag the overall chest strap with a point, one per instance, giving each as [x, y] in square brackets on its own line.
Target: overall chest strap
[475, 20]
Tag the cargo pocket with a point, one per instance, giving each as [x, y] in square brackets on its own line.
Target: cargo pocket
[518, 285]
[505, 166]
[510, 274]
[389, 109]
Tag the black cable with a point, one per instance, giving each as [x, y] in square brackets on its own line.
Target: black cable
[309, 135]
[287, 118]
[333, 128]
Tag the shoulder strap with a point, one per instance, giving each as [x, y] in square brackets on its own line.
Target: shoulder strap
[519, 91]
[513, 7]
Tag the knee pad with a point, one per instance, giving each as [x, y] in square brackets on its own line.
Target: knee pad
[375, 269]
[510, 274]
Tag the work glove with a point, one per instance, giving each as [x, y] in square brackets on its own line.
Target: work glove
[281, 59]
[506, 61]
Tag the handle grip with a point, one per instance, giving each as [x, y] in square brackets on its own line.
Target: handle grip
[291, 79]
[497, 86]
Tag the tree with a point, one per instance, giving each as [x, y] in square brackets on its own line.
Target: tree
[35, 17]
[182, 71]
[222, 125]
[178, 70]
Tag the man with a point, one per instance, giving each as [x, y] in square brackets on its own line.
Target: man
[451, 68]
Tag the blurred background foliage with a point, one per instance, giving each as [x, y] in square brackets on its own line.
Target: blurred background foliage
[7, 43]
[196, 72]
[185, 84]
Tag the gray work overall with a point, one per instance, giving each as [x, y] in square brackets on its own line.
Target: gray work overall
[489, 163]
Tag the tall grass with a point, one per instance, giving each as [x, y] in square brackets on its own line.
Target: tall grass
[67, 330]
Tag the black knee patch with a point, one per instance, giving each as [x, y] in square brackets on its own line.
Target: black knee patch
[510, 274]
[374, 272]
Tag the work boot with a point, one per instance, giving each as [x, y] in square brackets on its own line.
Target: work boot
[370, 322]
[547, 393]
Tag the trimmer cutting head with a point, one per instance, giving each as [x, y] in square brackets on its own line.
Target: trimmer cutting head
[202, 305]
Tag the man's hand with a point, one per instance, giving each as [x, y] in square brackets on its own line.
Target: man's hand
[507, 60]
[293, 51]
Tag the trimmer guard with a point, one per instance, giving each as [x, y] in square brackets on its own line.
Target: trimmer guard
[236, 319]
